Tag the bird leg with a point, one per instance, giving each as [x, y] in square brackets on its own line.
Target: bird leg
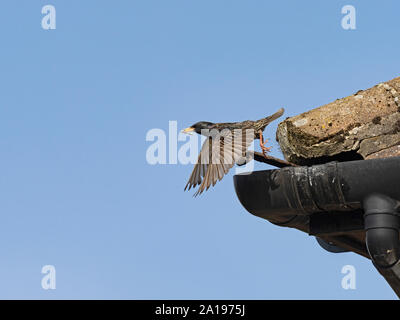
[262, 144]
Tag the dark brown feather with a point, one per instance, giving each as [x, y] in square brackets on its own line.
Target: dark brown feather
[220, 152]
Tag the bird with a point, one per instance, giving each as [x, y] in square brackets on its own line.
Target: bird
[225, 145]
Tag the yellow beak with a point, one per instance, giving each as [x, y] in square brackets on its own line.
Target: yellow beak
[187, 130]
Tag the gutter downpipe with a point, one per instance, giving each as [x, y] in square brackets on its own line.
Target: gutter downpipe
[382, 224]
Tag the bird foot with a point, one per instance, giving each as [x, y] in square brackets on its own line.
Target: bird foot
[265, 150]
[262, 145]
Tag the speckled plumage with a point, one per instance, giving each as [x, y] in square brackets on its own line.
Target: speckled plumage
[227, 144]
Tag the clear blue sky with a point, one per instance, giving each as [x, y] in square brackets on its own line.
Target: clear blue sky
[76, 103]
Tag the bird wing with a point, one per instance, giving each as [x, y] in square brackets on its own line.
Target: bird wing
[218, 154]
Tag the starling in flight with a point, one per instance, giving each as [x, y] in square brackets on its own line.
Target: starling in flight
[226, 144]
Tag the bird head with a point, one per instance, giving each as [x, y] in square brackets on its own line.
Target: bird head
[198, 126]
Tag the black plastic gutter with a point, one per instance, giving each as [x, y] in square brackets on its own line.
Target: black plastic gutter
[358, 195]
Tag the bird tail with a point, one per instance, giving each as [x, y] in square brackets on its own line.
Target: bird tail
[265, 121]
